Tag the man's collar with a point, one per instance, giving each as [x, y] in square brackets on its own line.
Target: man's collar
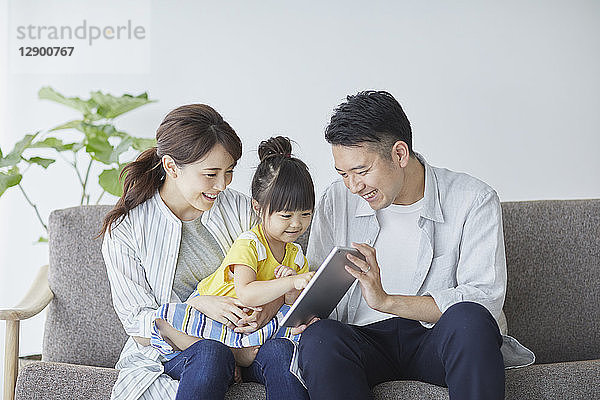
[363, 209]
[432, 208]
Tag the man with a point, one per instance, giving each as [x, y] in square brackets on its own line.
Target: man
[426, 304]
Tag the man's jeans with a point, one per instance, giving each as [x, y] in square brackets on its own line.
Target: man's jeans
[205, 371]
[462, 351]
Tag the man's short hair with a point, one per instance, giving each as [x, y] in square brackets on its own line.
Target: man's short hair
[370, 117]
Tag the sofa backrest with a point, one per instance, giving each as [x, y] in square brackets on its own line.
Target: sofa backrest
[553, 294]
[81, 324]
[552, 303]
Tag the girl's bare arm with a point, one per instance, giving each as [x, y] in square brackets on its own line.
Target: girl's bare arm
[255, 293]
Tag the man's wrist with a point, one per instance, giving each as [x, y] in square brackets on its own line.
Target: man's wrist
[418, 308]
[388, 304]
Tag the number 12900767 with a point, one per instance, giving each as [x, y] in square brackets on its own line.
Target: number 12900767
[54, 51]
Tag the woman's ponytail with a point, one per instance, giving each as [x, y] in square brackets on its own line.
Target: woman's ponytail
[140, 180]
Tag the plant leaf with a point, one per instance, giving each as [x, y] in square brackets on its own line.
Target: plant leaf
[14, 157]
[96, 142]
[109, 180]
[56, 144]
[99, 149]
[141, 144]
[83, 106]
[103, 130]
[121, 148]
[75, 124]
[12, 178]
[41, 240]
[44, 162]
[110, 106]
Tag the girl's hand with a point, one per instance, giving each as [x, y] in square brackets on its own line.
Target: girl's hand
[227, 310]
[281, 271]
[301, 280]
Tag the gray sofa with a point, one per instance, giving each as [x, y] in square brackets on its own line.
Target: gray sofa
[552, 307]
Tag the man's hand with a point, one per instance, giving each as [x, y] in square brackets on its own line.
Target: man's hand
[418, 308]
[370, 277]
[227, 310]
[301, 328]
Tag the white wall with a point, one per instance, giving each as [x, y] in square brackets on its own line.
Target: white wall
[506, 91]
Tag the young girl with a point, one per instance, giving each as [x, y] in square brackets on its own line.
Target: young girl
[262, 265]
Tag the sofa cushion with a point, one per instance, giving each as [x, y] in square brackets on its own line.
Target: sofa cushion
[81, 325]
[562, 381]
[47, 380]
[570, 380]
[553, 258]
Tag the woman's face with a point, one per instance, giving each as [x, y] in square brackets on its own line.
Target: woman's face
[195, 186]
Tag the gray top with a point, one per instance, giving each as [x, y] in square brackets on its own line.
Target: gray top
[199, 256]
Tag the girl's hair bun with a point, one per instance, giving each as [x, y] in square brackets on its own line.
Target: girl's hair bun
[281, 182]
[275, 146]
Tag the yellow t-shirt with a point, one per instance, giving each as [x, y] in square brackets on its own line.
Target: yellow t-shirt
[251, 249]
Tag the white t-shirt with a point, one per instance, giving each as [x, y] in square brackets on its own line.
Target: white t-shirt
[396, 247]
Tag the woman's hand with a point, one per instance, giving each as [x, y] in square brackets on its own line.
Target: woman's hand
[259, 318]
[142, 341]
[227, 310]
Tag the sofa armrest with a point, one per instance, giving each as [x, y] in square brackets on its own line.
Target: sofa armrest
[557, 381]
[36, 299]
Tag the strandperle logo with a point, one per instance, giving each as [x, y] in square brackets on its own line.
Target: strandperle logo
[90, 33]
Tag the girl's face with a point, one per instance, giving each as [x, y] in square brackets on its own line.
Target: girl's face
[196, 186]
[286, 226]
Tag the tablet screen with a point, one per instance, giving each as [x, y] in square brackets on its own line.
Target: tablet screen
[325, 290]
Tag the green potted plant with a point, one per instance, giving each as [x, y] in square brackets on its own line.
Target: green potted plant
[93, 139]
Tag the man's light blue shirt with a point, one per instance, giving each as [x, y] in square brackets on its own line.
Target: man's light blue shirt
[461, 250]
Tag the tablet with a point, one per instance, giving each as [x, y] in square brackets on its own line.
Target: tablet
[325, 289]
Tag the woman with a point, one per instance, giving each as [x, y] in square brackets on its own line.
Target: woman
[171, 228]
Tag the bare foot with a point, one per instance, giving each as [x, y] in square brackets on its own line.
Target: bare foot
[176, 339]
[244, 356]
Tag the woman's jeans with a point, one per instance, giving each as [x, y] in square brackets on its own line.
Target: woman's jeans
[205, 371]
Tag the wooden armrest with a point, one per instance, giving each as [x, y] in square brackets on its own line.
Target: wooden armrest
[34, 302]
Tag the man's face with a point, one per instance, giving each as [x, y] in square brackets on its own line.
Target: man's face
[376, 179]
